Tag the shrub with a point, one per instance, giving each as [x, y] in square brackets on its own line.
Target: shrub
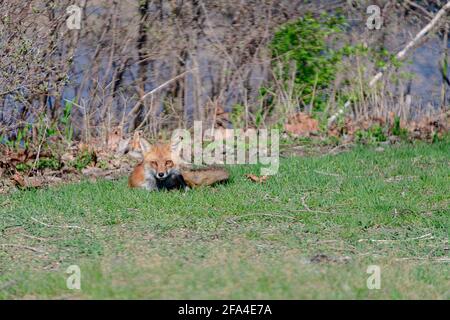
[305, 44]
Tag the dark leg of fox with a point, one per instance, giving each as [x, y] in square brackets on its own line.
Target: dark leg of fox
[173, 181]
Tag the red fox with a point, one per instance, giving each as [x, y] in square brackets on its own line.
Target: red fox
[161, 170]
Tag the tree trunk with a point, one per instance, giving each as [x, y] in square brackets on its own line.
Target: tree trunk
[142, 62]
[444, 66]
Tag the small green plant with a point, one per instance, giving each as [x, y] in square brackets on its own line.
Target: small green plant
[259, 117]
[103, 164]
[83, 160]
[397, 130]
[65, 121]
[48, 163]
[305, 44]
[21, 140]
[237, 116]
[22, 167]
[373, 135]
[40, 164]
[23, 137]
[377, 133]
[435, 138]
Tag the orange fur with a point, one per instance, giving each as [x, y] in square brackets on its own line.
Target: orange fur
[158, 159]
[204, 177]
[137, 177]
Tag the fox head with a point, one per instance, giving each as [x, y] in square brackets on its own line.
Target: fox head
[158, 159]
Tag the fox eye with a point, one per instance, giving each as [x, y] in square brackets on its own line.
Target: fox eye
[169, 163]
[154, 163]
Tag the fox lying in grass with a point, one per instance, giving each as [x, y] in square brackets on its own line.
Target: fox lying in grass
[160, 170]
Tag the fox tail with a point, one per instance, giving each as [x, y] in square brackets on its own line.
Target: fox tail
[204, 176]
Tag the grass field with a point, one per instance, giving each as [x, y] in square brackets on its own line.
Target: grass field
[309, 232]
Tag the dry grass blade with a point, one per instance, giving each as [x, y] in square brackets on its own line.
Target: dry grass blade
[234, 219]
[62, 227]
[427, 236]
[22, 247]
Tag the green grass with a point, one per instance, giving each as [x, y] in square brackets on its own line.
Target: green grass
[242, 240]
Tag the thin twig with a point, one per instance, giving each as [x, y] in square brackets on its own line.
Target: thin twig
[23, 247]
[39, 149]
[400, 55]
[5, 203]
[328, 173]
[258, 214]
[443, 259]
[307, 209]
[55, 226]
[427, 236]
[142, 98]
[304, 203]
[38, 238]
[344, 145]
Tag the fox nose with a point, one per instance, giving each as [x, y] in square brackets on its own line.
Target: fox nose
[161, 174]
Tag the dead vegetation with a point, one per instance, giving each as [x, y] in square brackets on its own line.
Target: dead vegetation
[27, 168]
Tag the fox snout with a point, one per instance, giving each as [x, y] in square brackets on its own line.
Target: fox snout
[161, 169]
[158, 161]
[162, 175]
[159, 172]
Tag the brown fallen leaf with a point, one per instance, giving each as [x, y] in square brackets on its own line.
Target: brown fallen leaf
[257, 179]
[302, 124]
[67, 157]
[88, 147]
[18, 180]
[27, 182]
